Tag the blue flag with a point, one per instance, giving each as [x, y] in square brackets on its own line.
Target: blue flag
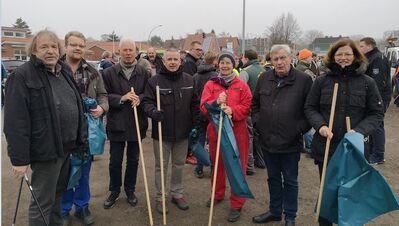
[354, 192]
[230, 154]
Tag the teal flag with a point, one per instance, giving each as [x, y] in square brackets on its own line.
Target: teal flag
[229, 153]
[354, 192]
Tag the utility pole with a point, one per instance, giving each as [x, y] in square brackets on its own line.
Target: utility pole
[243, 28]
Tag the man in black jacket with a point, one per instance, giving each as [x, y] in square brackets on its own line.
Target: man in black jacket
[154, 59]
[193, 57]
[121, 126]
[278, 115]
[379, 70]
[179, 113]
[44, 124]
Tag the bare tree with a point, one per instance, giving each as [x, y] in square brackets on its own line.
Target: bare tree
[311, 35]
[284, 30]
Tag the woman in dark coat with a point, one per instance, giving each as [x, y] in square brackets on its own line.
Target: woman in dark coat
[358, 98]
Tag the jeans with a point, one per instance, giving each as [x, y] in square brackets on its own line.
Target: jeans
[80, 195]
[201, 141]
[250, 164]
[308, 138]
[377, 141]
[115, 165]
[282, 171]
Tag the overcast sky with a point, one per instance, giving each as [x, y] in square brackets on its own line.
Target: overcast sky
[136, 18]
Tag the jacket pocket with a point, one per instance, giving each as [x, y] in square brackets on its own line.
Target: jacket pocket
[38, 101]
[357, 99]
[326, 97]
[167, 97]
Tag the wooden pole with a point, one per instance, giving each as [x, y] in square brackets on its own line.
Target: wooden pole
[216, 167]
[161, 157]
[147, 194]
[326, 151]
[348, 123]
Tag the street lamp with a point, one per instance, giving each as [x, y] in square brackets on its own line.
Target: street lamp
[149, 36]
[243, 27]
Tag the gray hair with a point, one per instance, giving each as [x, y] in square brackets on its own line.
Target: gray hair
[173, 50]
[127, 39]
[276, 48]
[32, 47]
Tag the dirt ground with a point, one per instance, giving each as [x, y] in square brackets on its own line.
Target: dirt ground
[197, 191]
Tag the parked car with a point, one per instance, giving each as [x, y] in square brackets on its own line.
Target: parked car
[392, 54]
[11, 65]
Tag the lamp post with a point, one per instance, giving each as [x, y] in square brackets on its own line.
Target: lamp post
[243, 27]
[149, 36]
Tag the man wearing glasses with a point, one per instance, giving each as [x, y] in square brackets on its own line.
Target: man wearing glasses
[193, 57]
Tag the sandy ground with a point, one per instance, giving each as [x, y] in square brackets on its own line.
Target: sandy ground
[197, 191]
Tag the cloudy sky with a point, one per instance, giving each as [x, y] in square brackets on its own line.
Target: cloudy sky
[136, 18]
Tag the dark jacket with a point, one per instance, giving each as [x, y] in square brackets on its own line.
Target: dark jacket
[179, 103]
[358, 98]
[157, 62]
[31, 124]
[190, 65]
[278, 111]
[121, 125]
[380, 71]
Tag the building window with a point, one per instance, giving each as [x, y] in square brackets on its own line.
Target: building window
[8, 33]
[19, 34]
[20, 54]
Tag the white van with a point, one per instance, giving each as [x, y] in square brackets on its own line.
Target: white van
[392, 54]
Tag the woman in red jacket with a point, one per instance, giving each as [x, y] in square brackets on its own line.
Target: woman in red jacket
[234, 98]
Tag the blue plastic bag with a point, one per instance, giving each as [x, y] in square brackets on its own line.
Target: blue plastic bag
[96, 129]
[198, 150]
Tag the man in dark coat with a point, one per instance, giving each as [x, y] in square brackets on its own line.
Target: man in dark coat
[179, 113]
[278, 114]
[193, 57]
[380, 71]
[44, 124]
[121, 126]
[154, 59]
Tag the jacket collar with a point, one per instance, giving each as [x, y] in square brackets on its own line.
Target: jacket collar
[288, 80]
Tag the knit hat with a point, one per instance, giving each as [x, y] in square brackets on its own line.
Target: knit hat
[228, 55]
[304, 53]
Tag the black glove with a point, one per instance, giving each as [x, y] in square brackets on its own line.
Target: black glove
[157, 115]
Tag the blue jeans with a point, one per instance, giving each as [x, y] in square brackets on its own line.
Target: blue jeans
[117, 150]
[308, 138]
[201, 141]
[80, 195]
[377, 141]
[282, 172]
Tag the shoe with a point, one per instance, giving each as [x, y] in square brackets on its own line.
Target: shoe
[289, 223]
[199, 173]
[191, 160]
[85, 216]
[110, 201]
[234, 215]
[66, 220]
[374, 163]
[250, 173]
[215, 202]
[265, 217]
[131, 198]
[180, 203]
[158, 206]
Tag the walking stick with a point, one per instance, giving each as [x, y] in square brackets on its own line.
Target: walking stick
[161, 157]
[323, 173]
[34, 198]
[348, 123]
[19, 197]
[147, 194]
[216, 167]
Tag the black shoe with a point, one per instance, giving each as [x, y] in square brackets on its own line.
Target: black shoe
[180, 203]
[250, 173]
[85, 216]
[215, 202]
[234, 215]
[265, 217]
[199, 173]
[289, 223]
[110, 201]
[66, 220]
[131, 198]
[158, 206]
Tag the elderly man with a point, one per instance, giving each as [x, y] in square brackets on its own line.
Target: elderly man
[121, 126]
[179, 113]
[379, 69]
[90, 85]
[154, 59]
[192, 59]
[278, 115]
[43, 124]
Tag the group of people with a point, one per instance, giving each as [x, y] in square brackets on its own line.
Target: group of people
[44, 120]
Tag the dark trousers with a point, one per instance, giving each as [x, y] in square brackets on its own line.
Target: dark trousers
[115, 165]
[49, 180]
[282, 172]
[377, 142]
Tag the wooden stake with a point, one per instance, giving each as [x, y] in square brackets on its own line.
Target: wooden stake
[348, 123]
[147, 194]
[216, 167]
[161, 157]
[326, 151]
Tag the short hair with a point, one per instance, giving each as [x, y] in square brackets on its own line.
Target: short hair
[195, 42]
[33, 45]
[251, 54]
[127, 39]
[276, 48]
[76, 34]
[359, 57]
[267, 57]
[209, 57]
[172, 50]
[369, 41]
[106, 54]
[314, 54]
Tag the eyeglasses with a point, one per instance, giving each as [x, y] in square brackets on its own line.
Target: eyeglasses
[74, 45]
[343, 54]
